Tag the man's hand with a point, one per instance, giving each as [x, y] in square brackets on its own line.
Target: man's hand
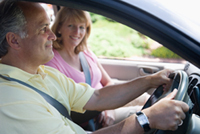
[167, 113]
[161, 78]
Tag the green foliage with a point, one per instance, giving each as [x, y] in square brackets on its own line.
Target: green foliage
[105, 43]
[113, 39]
[96, 17]
[140, 41]
[163, 52]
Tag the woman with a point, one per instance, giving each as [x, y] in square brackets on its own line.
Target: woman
[72, 28]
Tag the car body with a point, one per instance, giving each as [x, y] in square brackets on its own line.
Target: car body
[151, 18]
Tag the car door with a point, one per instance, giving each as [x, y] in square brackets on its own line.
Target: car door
[123, 70]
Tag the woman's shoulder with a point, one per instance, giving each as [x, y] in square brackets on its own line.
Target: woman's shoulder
[88, 53]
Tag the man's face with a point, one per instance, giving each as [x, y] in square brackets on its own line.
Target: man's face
[37, 46]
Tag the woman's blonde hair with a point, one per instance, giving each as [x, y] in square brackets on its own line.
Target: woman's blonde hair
[71, 14]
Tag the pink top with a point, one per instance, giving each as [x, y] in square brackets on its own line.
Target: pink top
[78, 76]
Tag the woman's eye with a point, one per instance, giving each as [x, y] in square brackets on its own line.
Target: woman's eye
[82, 27]
[69, 25]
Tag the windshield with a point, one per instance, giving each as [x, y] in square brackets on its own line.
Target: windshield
[181, 14]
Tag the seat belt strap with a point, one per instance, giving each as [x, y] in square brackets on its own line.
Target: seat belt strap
[56, 104]
[85, 67]
[88, 115]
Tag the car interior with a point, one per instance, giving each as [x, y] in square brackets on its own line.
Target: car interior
[186, 76]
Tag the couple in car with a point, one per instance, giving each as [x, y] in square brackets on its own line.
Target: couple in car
[26, 44]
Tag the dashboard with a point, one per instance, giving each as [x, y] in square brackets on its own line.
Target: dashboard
[193, 86]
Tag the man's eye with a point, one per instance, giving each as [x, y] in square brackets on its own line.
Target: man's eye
[69, 25]
[44, 29]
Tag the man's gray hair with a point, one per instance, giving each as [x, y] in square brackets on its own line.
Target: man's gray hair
[13, 20]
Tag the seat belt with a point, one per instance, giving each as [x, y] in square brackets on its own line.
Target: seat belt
[80, 118]
[56, 104]
[85, 68]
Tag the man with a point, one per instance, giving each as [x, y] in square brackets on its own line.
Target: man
[26, 44]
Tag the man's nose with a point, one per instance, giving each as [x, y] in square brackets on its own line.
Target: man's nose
[52, 36]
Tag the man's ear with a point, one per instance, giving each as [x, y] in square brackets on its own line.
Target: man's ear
[13, 40]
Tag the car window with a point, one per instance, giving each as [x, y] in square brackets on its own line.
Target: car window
[112, 40]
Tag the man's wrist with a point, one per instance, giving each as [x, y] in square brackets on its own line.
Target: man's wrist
[148, 81]
[143, 121]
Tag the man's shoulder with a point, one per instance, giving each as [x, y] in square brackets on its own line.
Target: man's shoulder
[55, 75]
[12, 92]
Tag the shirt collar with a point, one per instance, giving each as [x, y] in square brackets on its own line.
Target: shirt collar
[41, 71]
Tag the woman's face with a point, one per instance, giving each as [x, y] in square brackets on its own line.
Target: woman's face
[72, 33]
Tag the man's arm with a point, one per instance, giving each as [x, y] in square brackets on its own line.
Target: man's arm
[114, 96]
[166, 114]
[128, 126]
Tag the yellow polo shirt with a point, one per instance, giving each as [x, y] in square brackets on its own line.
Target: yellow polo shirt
[24, 111]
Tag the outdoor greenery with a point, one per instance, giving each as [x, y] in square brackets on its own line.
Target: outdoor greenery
[163, 52]
[111, 39]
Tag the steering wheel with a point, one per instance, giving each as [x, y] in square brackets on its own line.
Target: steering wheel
[180, 82]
